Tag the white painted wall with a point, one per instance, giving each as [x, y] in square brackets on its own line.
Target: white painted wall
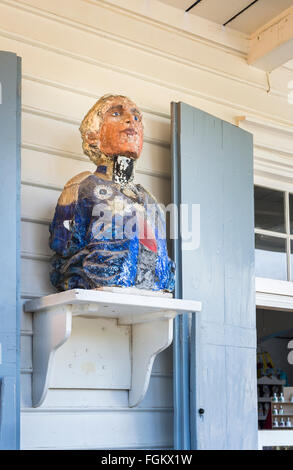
[73, 52]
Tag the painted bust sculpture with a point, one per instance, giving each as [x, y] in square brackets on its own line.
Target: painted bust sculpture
[108, 231]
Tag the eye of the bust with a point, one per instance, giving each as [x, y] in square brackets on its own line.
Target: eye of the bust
[116, 113]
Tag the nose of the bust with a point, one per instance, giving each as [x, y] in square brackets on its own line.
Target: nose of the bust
[129, 118]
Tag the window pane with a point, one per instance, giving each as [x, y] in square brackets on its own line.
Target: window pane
[291, 213]
[270, 257]
[269, 209]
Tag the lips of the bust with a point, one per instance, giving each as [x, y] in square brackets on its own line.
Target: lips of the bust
[129, 131]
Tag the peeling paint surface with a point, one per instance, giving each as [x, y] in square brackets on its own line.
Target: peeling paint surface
[108, 231]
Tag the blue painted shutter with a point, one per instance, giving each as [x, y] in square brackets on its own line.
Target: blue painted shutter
[213, 167]
[10, 246]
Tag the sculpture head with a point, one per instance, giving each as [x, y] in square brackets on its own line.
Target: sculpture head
[112, 127]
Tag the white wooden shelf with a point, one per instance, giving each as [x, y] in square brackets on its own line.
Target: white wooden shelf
[149, 318]
[274, 438]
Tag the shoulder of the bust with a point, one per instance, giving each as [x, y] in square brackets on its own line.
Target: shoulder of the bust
[70, 191]
[77, 179]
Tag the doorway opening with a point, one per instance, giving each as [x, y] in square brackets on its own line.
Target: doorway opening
[275, 378]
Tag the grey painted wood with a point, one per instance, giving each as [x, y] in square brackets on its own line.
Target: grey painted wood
[181, 383]
[216, 171]
[10, 250]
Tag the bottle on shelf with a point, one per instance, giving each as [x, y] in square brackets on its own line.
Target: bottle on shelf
[288, 423]
[281, 410]
[282, 423]
[281, 398]
[275, 423]
[275, 398]
[275, 411]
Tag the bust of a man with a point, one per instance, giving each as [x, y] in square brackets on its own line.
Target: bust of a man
[108, 231]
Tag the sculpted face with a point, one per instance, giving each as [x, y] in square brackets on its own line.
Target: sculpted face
[121, 129]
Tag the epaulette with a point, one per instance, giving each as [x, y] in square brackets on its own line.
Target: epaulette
[70, 191]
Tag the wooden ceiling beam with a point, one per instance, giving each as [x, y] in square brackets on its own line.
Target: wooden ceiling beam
[272, 45]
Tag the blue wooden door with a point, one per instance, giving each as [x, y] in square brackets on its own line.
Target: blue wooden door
[213, 169]
[9, 246]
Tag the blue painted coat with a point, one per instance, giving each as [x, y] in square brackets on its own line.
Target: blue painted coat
[99, 238]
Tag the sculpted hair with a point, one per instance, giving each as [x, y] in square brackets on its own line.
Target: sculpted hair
[92, 122]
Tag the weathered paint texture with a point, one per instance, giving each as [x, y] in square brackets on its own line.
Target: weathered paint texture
[216, 171]
[108, 231]
[10, 256]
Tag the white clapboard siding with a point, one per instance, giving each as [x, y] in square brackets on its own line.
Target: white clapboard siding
[72, 104]
[35, 278]
[159, 394]
[205, 90]
[92, 429]
[122, 49]
[81, 44]
[87, 410]
[73, 52]
[34, 240]
[26, 346]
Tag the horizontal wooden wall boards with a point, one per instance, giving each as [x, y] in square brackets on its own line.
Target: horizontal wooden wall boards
[273, 151]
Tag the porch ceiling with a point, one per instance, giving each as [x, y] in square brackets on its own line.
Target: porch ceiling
[222, 11]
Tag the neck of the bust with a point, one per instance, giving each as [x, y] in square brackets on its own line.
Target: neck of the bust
[119, 169]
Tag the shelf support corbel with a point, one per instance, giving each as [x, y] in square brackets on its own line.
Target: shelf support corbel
[148, 340]
[51, 329]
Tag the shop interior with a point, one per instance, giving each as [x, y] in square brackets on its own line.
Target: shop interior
[274, 371]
